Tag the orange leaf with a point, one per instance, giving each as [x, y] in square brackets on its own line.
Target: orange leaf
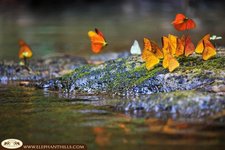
[97, 40]
[25, 50]
[200, 46]
[181, 23]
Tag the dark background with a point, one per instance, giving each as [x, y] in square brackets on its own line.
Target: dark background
[61, 26]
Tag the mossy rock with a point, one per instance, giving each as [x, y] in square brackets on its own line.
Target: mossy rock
[129, 76]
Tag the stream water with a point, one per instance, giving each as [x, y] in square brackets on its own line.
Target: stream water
[37, 117]
[51, 29]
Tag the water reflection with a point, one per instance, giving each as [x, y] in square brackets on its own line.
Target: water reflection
[64, 29]
[36, 117]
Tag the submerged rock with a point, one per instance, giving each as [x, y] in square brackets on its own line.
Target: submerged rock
[183, 104]
[50, 67]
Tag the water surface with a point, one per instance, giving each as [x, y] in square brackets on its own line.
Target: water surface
[42, 117]
[51, 29]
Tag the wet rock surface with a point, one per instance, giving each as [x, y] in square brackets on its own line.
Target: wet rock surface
[128, 76]
[46, 68]
[195, 89]
[179, 104]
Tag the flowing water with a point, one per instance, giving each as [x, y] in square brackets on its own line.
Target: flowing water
[52, 29]
[37, 117]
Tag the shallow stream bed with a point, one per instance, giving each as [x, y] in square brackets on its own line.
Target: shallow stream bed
[101, 122]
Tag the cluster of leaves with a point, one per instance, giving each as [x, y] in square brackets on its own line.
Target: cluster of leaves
[173, 46]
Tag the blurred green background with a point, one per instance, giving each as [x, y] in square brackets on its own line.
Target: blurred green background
[57, 26]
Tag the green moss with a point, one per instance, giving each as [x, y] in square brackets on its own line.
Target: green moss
[125, 73]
